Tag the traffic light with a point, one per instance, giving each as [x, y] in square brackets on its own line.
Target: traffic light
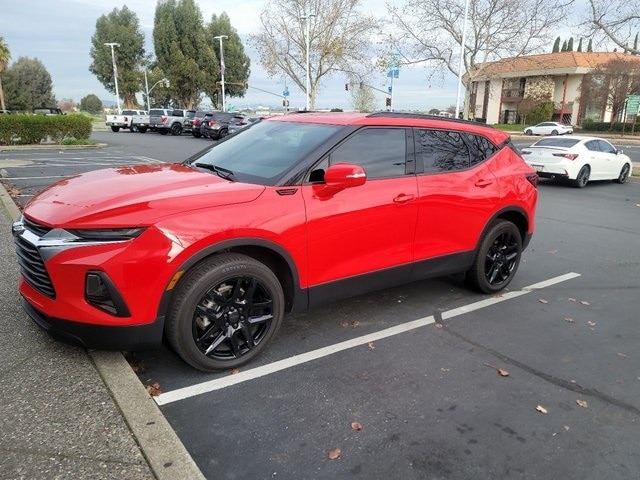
[246, 85]
[388, 102]
[346, 86]
[285, 103]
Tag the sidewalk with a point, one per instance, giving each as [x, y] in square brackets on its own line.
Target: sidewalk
[66, 413]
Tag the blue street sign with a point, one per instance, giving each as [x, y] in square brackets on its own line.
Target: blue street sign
[285, 93]
[389, 88]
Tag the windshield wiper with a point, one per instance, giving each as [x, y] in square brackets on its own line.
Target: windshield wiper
[222, 172]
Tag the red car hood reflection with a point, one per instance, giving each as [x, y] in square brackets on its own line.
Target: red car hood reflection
[134, 195]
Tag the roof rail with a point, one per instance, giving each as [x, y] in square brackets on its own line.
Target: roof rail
[425, 117]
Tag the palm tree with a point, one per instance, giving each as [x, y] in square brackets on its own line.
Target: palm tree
[5, 56]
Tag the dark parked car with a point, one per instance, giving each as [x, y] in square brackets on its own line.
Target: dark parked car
[294, 212]
[196, 123]
[216, 125]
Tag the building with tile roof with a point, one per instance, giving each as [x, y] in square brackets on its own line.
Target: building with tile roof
[497, 88]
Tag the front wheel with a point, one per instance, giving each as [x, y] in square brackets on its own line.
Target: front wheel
[176, 129]
[624, 174]
[554, 132]
[225, 312]
[497, 259]
[142, 129]
[115, 129]
[528, 132]
[583, 177]
[163, 131]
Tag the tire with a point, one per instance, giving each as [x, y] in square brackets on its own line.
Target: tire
[115, 129]
[554, 132]
[583, 177]
[176, 129]
[196, 134]
[497, 258]
[223, 133]
[133, 129]
[163, 131]
[230, 304]
[528, 132]
[624, 174]
[142, 129]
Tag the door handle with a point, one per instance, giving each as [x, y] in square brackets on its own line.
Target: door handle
[483, 183]
[402, 198]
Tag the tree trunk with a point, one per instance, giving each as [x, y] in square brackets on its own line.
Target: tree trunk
[2, 106]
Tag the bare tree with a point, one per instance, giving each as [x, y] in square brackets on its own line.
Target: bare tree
[609, 85]
[363, 99]
[339, 40]
[615, 20]
[431, 31]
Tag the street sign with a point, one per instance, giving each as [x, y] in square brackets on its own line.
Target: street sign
[389, 88]
[633, 104]
[285, 93]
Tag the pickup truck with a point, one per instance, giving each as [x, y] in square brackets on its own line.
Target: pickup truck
[123, 120]
[172, 121]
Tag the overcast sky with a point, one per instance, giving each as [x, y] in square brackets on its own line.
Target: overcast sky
[58, 33]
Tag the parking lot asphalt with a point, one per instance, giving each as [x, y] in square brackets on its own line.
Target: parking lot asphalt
[67, 413]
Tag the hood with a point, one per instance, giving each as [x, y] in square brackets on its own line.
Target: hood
[134, 195]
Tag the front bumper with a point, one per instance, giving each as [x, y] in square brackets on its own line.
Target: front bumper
[101, 337]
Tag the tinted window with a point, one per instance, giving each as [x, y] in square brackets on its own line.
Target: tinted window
[156, 112]
[480, 147]
[442, 151]
[382, 152]
[606, 147]
[562, 142]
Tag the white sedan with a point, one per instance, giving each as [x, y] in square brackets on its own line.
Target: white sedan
[578, 159]
[548, 128]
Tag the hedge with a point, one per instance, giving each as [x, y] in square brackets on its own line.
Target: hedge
[34, 129]
[591, 126]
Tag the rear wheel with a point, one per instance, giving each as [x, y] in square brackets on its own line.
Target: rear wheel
[497, 258]
[528, 132]
[583, 177]
[624, 174]
[554, 132]
[142, 129]
[133, 129]
[225, 312]
[163, 131]
[196, 134]
[115, 129]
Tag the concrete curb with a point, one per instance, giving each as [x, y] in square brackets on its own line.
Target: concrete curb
[11, 148]
[166, 455]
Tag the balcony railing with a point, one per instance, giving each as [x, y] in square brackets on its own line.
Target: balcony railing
[512, 95]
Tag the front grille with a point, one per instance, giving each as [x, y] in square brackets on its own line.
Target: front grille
[31, 264]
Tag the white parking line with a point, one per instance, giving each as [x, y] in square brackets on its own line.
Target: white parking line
[220, 383]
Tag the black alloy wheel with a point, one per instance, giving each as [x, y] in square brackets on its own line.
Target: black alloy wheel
[497, 258]
[115, 129]
[624, 174]
[225, 312]
[176, 129]
[583, 177]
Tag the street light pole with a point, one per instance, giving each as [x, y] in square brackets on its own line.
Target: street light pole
[149, 90]
[307, 30]
[461, 64]
[115, 71]
[220, 37]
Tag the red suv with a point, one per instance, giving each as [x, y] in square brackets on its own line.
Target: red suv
[297, 211]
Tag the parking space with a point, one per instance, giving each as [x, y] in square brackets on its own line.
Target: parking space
[406, 383]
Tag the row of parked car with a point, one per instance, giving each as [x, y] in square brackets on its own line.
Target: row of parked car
[208, 124]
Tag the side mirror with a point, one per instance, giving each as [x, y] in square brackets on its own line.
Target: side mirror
[338, 177]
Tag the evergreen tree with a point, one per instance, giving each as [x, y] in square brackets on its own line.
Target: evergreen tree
[236, 62]
[590, 46]
[570, 45]
[183, 51]
[91, 104]
[556, 46]
[580, 45]
[635, 43]
[122, 27]
[564, 46]
[28, 85]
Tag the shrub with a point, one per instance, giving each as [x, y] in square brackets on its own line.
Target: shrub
[33, 129]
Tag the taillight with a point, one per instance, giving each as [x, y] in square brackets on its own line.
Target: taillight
[211, 123]
[196, 121]
[125, 119]
[570, 156]
[533, 179]
[163, 119]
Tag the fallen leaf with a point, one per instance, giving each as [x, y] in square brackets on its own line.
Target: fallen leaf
[439, 325]
[334, 454]
[235, 371]
[621, 354]
[571, 299]
[503, 373]
[593, 324]
[445, 370]
[569, 319]
[153, 389]
[371, 346]
[584, 302]
[355, 323]
[541, 409]
[567, 428]
[542, 300]
[582, 403]
[356, 425]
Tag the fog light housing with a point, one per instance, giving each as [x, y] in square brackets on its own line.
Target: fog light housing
[101, 292]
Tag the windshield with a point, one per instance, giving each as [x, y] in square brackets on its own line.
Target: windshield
[264, 151]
